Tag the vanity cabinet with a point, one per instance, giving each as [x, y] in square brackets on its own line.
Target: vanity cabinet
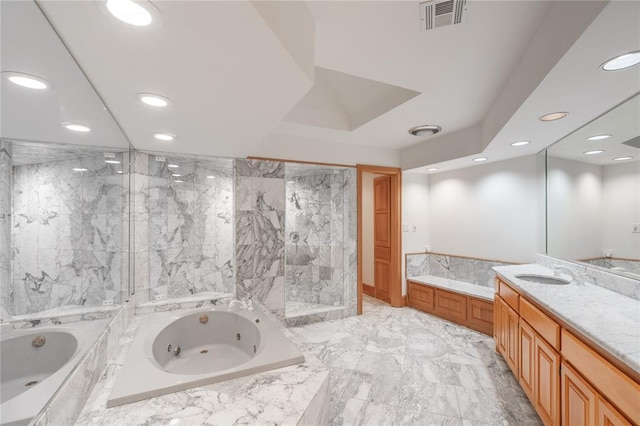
[567, 381]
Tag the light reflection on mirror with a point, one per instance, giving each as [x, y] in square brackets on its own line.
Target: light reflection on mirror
[593, 199]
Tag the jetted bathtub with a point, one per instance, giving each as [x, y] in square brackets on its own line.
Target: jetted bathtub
[35, 363]
[174, 351]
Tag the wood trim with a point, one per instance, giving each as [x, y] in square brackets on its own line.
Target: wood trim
[282, 160]
[610, 258]
[395, 282]
[620, 389]
[369, 290]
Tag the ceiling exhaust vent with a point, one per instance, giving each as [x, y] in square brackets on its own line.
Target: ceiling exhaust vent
[440, 13]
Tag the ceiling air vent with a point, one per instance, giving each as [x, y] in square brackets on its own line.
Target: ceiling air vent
[434, 14]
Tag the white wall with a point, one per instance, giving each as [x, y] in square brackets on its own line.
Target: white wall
[488, 211]
[574, 209]
[621, 208]
[415, 211]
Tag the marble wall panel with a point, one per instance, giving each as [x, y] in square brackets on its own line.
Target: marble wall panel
[6, 287]
[67, 234]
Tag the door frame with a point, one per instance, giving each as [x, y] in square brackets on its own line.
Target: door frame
[395, 284]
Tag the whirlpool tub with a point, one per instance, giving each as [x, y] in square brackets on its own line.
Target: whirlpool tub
[174, 351]
[36, 362]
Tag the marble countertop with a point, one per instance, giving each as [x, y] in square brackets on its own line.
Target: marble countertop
[457, 286]
[609, 319]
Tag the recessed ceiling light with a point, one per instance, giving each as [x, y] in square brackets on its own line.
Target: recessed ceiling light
[112, 161]
[140, 13]
[153, 100]
[176, 175]
[623, 61]
[594, 152]
[622, 158]
[76, 127]
[553, 116]
[164, 136]
[79, 169]
[432, 169]
[173, 166]
[521, 143]
[426, 130]
[479, 159]
[598, 137]
[211, 177]
[28, 81]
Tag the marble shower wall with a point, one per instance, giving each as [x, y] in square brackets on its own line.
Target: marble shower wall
[260, 227]
[314, 242]
[6, 287]
[183, 226]
[69, 235]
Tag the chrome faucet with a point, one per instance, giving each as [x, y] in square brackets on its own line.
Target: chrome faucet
[561, 268]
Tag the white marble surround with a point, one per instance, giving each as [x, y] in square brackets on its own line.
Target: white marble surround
[69, 235]
[588, 308]
[286, 396]
[457, 268]
[6, 177]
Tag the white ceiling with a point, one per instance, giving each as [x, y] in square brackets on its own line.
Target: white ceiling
[235, 70]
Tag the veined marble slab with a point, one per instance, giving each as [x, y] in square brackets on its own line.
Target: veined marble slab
[609, 319]
[455, 286]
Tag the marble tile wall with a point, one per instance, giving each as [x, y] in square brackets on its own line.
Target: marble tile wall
[183, 226]
[457, 268]
[314, 243]
[67, 234]
[621, 265]
[260, 228]
[6, 287]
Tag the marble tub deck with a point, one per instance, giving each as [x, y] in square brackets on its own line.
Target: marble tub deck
[290, 395]
[399, 366]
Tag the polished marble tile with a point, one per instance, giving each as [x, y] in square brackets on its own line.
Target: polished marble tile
[394, 366]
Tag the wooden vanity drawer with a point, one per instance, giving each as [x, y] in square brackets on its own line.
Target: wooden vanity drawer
[420, 296]
[618, 388]
[509, 295]
[545, 326]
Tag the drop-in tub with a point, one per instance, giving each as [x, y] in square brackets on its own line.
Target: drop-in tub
[35, 363]
[174, 351]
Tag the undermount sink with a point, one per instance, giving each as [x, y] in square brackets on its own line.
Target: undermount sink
[542, 279]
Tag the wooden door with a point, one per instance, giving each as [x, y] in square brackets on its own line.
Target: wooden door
[546, 391]
[609, 416]
[382, 236]
[578, 399]
[525, 377]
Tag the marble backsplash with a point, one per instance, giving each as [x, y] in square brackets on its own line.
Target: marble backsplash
[620, 284]
[68, 239]
[459, 268]
[616, 265]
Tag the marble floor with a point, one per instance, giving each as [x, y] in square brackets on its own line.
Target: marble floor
[399, 366]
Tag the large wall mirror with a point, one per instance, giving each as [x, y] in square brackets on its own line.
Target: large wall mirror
[64, 162]
[593, 192]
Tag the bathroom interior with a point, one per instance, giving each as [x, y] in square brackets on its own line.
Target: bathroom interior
[227, 180]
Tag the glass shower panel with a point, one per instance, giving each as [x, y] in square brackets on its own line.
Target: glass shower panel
[314, 239]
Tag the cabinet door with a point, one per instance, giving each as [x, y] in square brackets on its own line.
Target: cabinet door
[578, 399]
[500, 326]
[526, 375]
[546, 391]
[513, 347]
[609, 416]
